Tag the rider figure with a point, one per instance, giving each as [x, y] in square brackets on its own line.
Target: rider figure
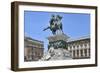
[52, 21]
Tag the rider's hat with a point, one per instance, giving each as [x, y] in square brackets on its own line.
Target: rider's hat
[60, 17]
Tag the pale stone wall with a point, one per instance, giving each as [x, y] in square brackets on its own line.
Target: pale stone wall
[79, 48]
[33, 49]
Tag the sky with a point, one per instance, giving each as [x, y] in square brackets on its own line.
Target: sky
[74, 25]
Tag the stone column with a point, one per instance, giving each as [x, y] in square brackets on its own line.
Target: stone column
[83, 52]
[87, 49]
[79, 53]
[75, 53]
[87, 52]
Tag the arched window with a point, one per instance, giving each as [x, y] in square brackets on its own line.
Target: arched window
[74, 46]
[81, 45]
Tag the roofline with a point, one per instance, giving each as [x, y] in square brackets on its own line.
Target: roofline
[29, 38]
[80, 38]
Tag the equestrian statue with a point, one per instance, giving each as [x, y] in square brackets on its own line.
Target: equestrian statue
[55, 24]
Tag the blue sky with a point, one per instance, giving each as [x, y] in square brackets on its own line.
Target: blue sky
[74, 25]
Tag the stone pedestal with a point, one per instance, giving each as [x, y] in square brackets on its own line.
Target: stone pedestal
[57, 48]
[58, 41]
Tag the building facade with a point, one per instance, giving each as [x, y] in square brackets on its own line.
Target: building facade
[79, 48]
[33, 49]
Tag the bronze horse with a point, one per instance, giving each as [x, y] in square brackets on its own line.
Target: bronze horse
[55, 24]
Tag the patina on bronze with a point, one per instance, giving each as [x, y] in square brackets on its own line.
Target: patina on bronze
[55, 24]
